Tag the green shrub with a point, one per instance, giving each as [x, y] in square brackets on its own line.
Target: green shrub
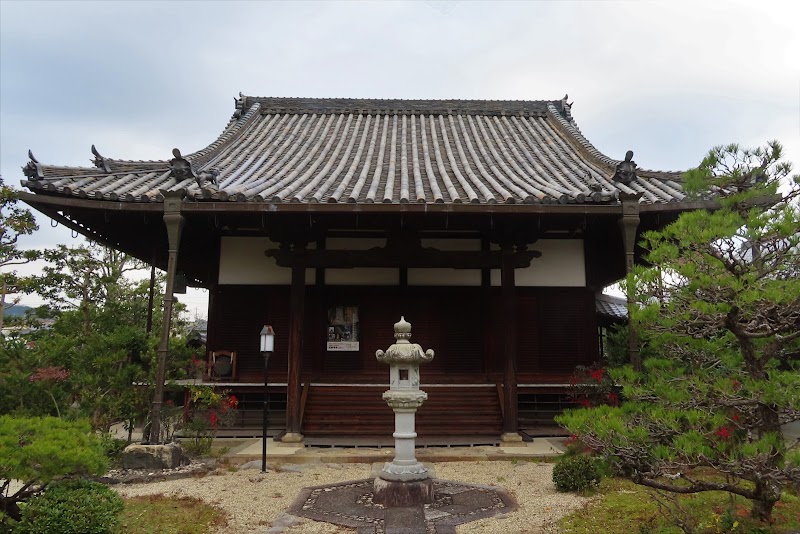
[112, 446]
[575, 473]
[72, 507]
[196, 445]
[38, 450]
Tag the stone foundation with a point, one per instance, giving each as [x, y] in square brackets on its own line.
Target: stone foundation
[511, 439]
[393, 494]
[292, 439]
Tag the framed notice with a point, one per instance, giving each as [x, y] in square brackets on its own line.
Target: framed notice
[343, 328]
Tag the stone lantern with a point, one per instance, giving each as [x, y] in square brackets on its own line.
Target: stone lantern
[404, 481]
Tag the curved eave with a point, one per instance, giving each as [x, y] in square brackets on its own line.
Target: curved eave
[300, 154]
[210, 207]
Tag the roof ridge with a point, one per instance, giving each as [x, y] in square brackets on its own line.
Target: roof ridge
[571, 127]
[262, 98]
[406, 105]
[232, 131]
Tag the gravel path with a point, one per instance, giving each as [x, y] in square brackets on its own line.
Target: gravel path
[255, 502]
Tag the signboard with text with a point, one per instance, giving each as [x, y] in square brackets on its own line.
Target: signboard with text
[343, 329]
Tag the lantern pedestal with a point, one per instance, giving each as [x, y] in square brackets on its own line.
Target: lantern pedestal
[392, 494]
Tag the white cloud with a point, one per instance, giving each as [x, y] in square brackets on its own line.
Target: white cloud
[668, 79]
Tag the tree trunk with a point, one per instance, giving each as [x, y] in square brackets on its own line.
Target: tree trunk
[10, 507]
[3, 304]
[767, 494]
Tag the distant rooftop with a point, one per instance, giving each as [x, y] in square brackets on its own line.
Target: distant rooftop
[611, 307]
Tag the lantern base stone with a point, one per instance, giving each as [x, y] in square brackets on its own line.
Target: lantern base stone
[404, 471]
[393, 494]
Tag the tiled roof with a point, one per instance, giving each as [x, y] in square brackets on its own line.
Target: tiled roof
[612, 307]
[294, 150]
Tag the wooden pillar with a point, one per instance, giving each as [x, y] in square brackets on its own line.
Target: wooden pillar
[296, 319]
[486, 312]
[174, 222]
[319, 276]
[629, 224]
[151, 296]
[509, 333]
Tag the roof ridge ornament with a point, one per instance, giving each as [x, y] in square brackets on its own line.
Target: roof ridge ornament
[181, 169]
[566, 106]
[240, 104]
[208, 179]
[99, 161]
[33, 169]
[626, 170]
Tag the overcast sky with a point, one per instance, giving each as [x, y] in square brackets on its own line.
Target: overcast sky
[668, 80]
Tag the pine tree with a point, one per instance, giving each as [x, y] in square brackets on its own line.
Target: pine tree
[719, 302]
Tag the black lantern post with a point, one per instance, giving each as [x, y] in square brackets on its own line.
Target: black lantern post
[267, 346]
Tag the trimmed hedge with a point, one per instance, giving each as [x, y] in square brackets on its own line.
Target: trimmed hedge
[72, 507]
[575, 473]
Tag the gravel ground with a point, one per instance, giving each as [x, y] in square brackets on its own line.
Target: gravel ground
[255, 502]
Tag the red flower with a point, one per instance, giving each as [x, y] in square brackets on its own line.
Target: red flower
[613, 399]
[213, 418]
[597, 375]
[735, 417]
[233, 402]
[585, 403]
[723, 433]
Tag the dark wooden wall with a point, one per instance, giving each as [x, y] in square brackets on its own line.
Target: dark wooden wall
[236, 319]
[556, 331]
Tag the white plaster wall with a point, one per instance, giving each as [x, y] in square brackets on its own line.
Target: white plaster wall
[242, 261]
[359, 276]
[447, 277]
[562, 264]
[444, 277]
[362, 277]
[470, 245]
[354, 243]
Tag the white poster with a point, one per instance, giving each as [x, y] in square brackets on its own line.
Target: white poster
[343, 328]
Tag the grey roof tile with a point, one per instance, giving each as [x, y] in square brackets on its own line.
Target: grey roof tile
[611, 306]
[307, 150]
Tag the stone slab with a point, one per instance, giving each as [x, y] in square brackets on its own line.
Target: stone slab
[251, 450]
[537, 447]
[254, 449]
[405, 520]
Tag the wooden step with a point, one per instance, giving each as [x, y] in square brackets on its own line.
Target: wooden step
[361, 411]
